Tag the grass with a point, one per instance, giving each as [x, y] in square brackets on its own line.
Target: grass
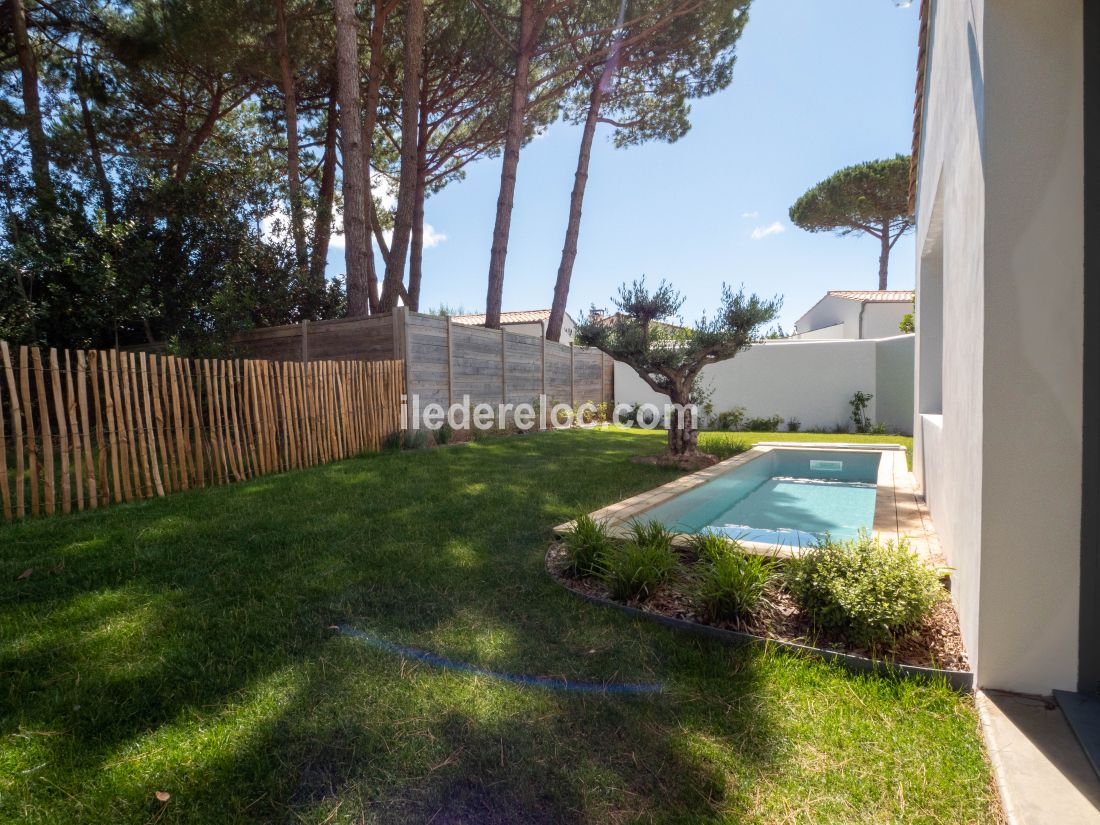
[184, 645]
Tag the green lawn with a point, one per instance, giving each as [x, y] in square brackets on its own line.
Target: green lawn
[183, 645]
[726, 444]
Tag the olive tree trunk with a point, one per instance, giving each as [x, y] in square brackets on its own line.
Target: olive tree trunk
[683, 435]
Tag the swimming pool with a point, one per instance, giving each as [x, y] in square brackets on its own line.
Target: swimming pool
[784, 497]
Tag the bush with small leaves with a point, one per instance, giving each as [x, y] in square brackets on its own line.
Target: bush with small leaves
[865, 590]
[731, 419]
[768, 424]
[586, 546]
[732, 586]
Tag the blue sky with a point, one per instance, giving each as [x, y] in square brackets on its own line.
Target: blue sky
[819, 84]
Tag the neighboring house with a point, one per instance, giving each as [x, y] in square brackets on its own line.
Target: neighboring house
[855, 314]
[1007, 428]
[529, 322]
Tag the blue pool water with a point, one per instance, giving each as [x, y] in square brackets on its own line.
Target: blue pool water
[787, 497]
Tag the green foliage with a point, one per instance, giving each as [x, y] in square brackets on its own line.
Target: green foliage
[669, 357]
[908, 324]
[444, 434]
[857, 197]
[733, 585]
[859, 403]
[712, 546]
[793, 425]
[868, 591]
[767, 424]
[587, 546]
[732, 419]
[633, 571]
[393, 441]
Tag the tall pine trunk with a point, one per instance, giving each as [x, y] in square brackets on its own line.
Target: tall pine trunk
[290, 111]
[381, 10]
[573, 227]
[530, 26]
[322, 224]
[416, 252]
[106, 191]
[356, 239]
[884, 256]
[410, 121]
[32, 109]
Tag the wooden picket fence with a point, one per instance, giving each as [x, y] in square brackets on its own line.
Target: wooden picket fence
[85, 429]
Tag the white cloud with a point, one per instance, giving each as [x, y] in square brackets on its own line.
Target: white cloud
[750, 215]
[763, 231]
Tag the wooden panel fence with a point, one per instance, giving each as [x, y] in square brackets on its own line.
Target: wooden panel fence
[447, 361]
[85, 429]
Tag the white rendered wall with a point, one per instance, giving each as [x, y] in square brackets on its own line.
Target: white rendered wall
[883, 320]
[1000, 212]
[812, 381]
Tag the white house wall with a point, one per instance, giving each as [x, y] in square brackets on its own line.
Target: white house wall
[812, 381]
[883, 319]
[998, 436]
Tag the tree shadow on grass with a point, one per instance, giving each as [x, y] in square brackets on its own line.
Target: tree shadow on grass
[183, 642]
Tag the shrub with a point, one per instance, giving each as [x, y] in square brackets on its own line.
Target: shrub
[444, 434]
[793, 425]
[764, 425]
[393, 440]
[733, 585]
[586, 545]
[713, 546]
[868, 591]
[637, 567]
[414, 439]
[859, 403]
[731, 419]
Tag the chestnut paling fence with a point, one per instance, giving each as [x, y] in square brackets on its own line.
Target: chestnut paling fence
[86, 429]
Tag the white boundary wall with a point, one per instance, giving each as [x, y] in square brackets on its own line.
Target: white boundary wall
[812, 381]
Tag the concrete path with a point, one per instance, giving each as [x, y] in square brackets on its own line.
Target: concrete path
[1044, 776]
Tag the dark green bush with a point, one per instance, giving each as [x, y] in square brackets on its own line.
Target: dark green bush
[414, 439]
[586, 546]
[865, 590]
[793, 425]
[770, 424]
[444, 434]
[638, 566]
[733, 585]
[730, 419]
[393, 440]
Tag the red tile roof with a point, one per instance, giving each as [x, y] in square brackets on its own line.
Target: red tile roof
[874, 296]
[530, 316]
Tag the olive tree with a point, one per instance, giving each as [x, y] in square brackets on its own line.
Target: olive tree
[668, 356]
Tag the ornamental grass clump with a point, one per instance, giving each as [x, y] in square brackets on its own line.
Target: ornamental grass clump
[867, 591]
[635, 569]
[713, 546]
[734, 585]
[586, 546]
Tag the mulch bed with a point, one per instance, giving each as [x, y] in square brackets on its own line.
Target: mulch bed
[937, 643]
[694, 461]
